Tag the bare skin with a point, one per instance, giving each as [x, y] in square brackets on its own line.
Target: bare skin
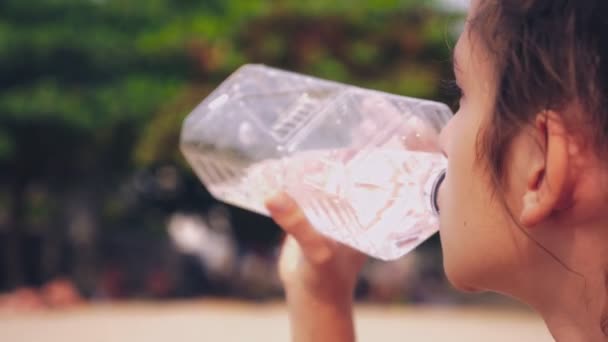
[543, 244]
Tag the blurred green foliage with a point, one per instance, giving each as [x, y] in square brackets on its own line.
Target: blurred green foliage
[94, 90]
[95, 66]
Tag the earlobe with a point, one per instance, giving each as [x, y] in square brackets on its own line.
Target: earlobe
[547, 183]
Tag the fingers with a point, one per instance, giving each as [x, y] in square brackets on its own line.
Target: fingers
[288, 215]
[289, 261]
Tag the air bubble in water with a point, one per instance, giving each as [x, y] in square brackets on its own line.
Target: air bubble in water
[247, 134]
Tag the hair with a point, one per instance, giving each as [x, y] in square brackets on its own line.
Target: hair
[548, 55]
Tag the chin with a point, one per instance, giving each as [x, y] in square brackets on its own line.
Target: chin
[460, 286]
[459, 280]
[464, 288]
[467, 289]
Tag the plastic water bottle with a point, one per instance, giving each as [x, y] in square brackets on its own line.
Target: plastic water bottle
[363, 165]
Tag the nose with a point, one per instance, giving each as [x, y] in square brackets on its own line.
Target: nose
[445, 138]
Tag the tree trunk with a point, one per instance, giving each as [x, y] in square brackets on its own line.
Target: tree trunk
[82, 214]
[13, 252]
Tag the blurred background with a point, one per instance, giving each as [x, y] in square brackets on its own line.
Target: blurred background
[97, 204]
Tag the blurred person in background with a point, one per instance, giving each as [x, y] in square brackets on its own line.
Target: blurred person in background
[526, 148]
[209, 239]
[391, 281]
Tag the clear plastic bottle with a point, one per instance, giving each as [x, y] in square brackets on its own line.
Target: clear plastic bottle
[363, 165]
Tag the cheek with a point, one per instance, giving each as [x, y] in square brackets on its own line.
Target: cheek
[468, 213]
[458, 197]
[471, 237]
[459, 144]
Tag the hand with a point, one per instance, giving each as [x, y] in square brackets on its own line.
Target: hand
[309, 261]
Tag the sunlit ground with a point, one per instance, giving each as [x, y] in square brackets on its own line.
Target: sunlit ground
[229, 321]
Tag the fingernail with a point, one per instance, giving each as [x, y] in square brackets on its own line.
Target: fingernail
[279, 202]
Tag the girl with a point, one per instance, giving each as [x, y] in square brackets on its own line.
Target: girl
[526, 149]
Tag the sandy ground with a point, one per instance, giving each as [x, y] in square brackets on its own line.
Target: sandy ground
[227, 322]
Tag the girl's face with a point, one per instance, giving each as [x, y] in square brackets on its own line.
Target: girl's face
[541, 236]
[477, 234]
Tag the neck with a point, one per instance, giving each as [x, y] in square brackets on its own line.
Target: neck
[570, 294]
[564, 272]
[575, 319]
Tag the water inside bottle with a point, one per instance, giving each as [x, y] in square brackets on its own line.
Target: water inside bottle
[373, 200]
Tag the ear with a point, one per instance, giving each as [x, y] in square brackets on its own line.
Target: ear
[547, 183]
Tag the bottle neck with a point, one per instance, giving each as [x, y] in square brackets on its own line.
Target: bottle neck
[435, 192]
[431, 190]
